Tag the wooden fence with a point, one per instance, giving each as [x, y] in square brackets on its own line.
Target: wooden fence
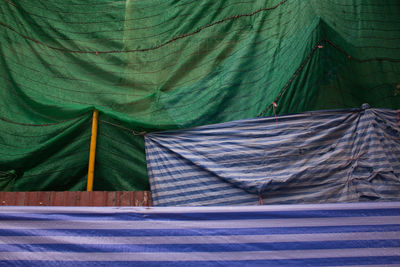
[77, 198]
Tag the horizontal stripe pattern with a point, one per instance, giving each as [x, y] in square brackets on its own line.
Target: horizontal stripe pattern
[284, 235]
[257, 223]
[236, 239]
[329, 156]
[199, 256]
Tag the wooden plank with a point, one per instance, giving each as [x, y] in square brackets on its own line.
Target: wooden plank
[9, 199]
[31, 199]
[148, 202]
[132, 197]
[43, 198]
[139, 198]
[3, 198]
[70, 198]
[84, 198]
[97, 199]
[124, 199]
[111, 200]
[57, 198]
[19, 198]
[118, 199]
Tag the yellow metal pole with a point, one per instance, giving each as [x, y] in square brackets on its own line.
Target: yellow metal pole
[92, 154]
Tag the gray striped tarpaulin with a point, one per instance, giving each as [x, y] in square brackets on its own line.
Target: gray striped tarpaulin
[274, 235]
[314, 157]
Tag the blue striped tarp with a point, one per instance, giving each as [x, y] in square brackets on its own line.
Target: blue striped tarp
[314, 157]
[285, 235]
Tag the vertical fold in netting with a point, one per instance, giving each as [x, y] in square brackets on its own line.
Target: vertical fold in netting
[120, 157]
[36, 157]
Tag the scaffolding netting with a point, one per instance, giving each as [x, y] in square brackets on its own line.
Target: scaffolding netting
[155, 65]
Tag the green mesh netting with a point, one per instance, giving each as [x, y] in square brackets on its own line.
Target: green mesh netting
[153, 65]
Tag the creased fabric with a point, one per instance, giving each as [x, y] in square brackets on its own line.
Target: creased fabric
[314, 157]
[275, 235]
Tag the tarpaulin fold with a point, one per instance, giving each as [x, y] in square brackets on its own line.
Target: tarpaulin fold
[312, 157]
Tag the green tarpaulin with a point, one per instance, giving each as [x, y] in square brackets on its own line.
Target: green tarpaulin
[154, 65]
